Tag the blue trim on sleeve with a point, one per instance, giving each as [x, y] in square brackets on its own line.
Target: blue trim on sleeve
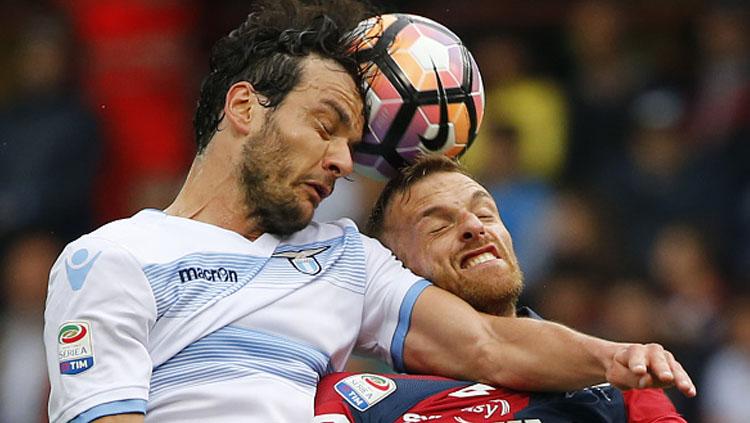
[404, 321]
[110, 409]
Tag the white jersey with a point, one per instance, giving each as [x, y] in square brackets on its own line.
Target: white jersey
[190, 322]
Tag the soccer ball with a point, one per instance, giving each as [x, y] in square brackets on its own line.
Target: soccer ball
[423, 91]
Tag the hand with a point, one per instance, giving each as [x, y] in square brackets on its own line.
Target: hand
[648, 366]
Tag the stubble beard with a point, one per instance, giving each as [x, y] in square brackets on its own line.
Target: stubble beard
[498, 297]
[270, 201]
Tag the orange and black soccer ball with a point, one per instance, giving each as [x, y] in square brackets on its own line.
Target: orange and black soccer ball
[423, 90]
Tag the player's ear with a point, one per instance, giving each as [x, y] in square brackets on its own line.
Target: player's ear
[240, 105]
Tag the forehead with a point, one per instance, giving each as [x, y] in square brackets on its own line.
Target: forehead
[323, 78]
[441, 189]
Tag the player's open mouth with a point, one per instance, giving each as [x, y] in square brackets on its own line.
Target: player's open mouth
[478, 257]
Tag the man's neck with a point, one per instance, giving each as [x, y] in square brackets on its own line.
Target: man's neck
[212, 195]
[507, 310]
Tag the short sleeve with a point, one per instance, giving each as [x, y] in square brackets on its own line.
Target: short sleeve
[99, 311]
[329, 405]
[650, 406]
[390, 293]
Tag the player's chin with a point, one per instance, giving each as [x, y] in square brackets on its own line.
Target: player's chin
[498, 272]
[306, 211]
[293, 216]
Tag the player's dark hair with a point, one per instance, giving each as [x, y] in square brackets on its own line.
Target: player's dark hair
[408, 176]
[267, 49]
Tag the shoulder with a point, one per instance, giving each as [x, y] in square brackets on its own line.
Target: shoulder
[130, 234]
[645, 405]
[152, 236]
[113, 240]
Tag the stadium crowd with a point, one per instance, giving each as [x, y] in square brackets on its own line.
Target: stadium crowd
[615, 142]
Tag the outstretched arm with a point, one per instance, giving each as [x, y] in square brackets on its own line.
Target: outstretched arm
[448, 337]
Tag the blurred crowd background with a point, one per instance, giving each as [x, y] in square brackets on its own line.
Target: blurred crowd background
[615, 142]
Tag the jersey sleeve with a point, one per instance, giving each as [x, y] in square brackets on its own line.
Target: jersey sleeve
[650, 406]
[329, 406]
[99, 311]
[390, 293]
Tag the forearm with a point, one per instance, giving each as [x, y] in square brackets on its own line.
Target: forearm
[449, 338]
[528, 354]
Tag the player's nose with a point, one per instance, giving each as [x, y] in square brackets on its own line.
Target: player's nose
[338, 158]
[471, 227]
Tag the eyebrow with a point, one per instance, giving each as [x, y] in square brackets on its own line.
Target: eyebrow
[480, 195]
[477, 195]
[343, 115]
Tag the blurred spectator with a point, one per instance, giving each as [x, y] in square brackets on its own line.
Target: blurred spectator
[720, 119]
[580, 234]
[659, 178]
[722, 104]
[629, 312]
[605, 75]
[683, 266]
[533, 105]
[727, 379]
[24, 272]
[49, 147]
[568, 295]
[739, 245]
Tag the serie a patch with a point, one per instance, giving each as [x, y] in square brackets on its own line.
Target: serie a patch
[74, 349]
[364, 390]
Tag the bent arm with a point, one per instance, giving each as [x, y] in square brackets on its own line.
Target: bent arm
[450, 338]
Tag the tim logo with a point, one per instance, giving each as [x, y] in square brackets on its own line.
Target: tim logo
[304, 260]
[211, 275]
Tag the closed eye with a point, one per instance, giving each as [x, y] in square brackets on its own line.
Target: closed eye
[324, 131]
[437, 229]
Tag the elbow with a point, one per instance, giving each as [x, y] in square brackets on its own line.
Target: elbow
[497, 366]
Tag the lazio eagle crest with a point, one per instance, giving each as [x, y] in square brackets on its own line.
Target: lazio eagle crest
[304, 260]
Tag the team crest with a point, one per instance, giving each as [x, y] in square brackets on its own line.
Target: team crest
[74, 350]
[364, 390]
[304, 260]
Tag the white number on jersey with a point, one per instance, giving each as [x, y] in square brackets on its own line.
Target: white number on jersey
[475, 390]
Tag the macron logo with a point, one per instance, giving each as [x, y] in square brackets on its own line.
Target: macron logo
[78, 266]
[211, 275]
